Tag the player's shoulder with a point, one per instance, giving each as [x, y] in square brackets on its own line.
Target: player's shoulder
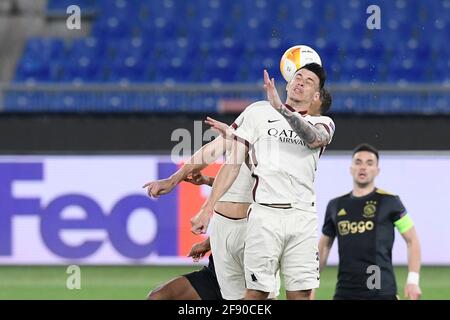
[385, 193]
[389, 197]
[391, 201]
[325, 120]
[319, 117]
[258, 109]
[254, 113]
[258, 105]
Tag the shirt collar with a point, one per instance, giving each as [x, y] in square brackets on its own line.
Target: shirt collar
[293, 110]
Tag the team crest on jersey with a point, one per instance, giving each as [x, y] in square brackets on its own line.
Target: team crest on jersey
[369, 209]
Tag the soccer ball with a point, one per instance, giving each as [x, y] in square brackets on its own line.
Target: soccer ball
[295, 58]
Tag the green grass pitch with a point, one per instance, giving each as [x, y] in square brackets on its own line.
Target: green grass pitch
[134, 282]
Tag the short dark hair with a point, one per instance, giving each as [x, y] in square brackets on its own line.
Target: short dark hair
[366, 147]
[326, 100]
[318, 70]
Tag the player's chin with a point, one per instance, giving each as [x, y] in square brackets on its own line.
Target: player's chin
[296, 96]
[362, 181]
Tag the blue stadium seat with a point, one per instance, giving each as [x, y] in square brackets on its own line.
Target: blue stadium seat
[229, 41]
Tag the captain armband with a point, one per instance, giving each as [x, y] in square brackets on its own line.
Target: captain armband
[404, 223]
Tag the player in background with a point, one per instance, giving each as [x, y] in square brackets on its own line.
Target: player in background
[197, 285]
[363, 222]
[323, 105]
[282, 221]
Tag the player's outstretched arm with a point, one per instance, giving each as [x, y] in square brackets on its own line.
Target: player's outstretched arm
[412, 289]
[314, 136]
[206, 155]
[201, 159]
[223, 181]
[325, 244]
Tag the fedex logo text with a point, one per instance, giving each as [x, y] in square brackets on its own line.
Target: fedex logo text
[114, 222]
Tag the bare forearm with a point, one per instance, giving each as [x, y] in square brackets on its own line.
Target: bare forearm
[301, 127]
[414, 256]
[222, 182]
[325, 244]
[201, 159]
[313, 136]
[323, 257]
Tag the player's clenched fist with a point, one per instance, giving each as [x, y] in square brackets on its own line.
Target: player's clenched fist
[200, 221]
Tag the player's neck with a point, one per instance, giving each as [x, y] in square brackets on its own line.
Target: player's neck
[299, 106]
[361, 191]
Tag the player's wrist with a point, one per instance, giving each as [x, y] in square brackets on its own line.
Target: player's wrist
[208, 208]
[209, 181]
[176, 178]
[413, 278]
[206, 245]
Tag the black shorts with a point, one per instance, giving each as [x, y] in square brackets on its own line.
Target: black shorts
[204, 281]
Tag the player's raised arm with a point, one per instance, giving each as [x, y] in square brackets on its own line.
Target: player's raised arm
[314, 136]
[223, 181]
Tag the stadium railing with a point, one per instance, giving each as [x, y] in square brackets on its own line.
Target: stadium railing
[419, 99]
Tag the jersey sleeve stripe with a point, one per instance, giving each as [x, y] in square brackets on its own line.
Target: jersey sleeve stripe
[293, 110]
[321, 151]
[255, 186]
[289, 108]
[247, 144]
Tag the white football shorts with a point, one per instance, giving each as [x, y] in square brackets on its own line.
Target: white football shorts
[227, 237]
[285, 240]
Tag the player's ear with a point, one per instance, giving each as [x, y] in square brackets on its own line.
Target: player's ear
[316, 96]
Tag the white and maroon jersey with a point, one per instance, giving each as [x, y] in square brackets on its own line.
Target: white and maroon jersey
[283, 165]
[241, 189]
